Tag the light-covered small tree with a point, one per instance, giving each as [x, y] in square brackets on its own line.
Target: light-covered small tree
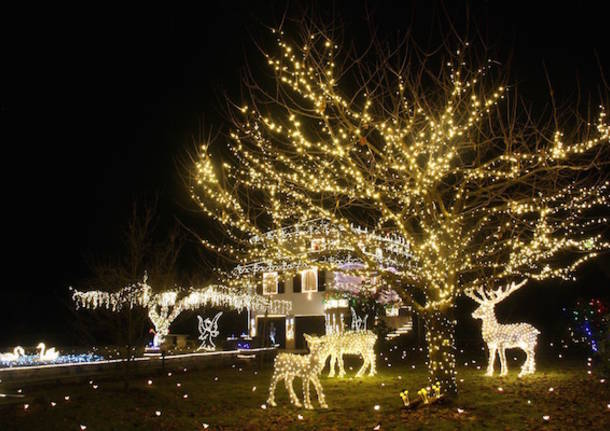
[430, 176]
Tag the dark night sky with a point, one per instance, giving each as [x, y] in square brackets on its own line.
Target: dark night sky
[97, 105]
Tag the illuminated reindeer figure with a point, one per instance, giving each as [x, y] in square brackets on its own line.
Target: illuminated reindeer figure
[500, 337]
[287, 366]
[351, 343]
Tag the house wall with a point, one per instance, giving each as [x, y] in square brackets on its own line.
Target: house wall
[303, 303]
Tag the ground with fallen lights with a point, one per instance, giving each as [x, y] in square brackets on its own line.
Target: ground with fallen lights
[562, 395]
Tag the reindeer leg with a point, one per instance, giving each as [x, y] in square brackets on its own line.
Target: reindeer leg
[306, 397]
[319, 391]
[341, 364]
[293, 396]
[532, 366]
[503, 364]
[526, 364]
[271, 399]
[333, 360]
[492, 359]
[365, 363]
[372, 360]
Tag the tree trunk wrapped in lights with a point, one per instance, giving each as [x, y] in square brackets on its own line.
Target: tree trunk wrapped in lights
[432, 180]
[440, 333]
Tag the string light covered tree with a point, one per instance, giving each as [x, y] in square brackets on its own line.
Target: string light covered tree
[430, 174]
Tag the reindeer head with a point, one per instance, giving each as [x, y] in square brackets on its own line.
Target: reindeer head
[313, 343]
[316, 345]
[489, 299]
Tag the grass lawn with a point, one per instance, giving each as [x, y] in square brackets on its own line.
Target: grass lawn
[231, 399]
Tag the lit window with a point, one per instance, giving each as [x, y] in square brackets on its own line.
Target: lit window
[309, 280]
[270, 280]
[317, 244]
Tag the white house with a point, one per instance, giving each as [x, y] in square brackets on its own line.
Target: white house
[315, 309]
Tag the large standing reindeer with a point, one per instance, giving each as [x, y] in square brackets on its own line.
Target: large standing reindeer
[287, 366]
[500, 337]
[351, 343]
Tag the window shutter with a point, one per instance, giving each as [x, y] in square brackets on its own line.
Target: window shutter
[280, 285]
[296, 283]
[321, 281]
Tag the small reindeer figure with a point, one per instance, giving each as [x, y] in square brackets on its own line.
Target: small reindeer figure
[287, 366]
[500, 337]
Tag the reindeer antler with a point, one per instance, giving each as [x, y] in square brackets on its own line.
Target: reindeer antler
[472, 294]
[482, 296]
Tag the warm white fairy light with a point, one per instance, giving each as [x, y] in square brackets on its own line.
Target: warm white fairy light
[288, 366]
[500, 337]
[165, 307]
[454, 188]
[351, 343]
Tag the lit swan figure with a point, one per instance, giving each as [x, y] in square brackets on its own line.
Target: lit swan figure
[9, 357]
[47, 355]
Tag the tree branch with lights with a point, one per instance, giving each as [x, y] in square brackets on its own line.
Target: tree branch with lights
[435, 163]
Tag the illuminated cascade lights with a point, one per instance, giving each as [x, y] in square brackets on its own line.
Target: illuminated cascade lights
[164, 308]
[320, 232]
[500, 337]
[289, 328]
[208, 330]
[351, 343]
[288, 366]
[332, 323]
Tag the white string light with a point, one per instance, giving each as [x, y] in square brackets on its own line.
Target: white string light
[208, 330]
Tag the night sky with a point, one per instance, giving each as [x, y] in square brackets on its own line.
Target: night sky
[99, 105]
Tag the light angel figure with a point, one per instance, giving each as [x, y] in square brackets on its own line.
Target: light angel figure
[208, 330]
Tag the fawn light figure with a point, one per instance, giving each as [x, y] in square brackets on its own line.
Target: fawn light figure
[351, 343]
[287, 366]
[500, 337]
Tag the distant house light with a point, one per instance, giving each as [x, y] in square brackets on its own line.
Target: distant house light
[317, 244]
[309, 280]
